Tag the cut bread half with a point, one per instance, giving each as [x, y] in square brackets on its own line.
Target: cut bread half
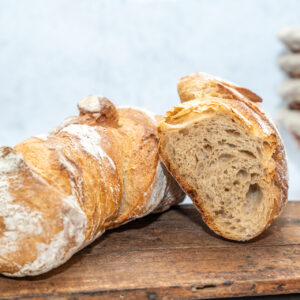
[227, 156]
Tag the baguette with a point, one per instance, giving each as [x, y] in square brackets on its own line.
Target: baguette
[61, 191]
[226, 154]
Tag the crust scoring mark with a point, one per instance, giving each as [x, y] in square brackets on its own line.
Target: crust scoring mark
[90, 140]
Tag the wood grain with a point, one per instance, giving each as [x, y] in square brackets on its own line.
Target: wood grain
[173, 256]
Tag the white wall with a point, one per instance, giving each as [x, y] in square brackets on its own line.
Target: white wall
[52, 53]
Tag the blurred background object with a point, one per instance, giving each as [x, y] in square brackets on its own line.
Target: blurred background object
[53, 53]
[289, 90]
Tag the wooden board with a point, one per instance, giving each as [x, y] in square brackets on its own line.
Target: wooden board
[173, 256]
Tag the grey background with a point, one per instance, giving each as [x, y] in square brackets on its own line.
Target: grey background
[53, 53]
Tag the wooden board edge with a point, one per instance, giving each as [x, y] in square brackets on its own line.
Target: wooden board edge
[195, 291]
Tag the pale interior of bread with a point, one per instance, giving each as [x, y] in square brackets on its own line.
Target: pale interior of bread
[225, 166]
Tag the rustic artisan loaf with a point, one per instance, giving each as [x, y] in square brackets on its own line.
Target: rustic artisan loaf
[61, 191]
[226, 154]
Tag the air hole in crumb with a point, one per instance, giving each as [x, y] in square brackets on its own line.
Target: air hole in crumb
[207, 147]
[254, 193]
[225, 172]
[219, 212]
[242, 174]
[184, 131]
[236, 182]
[226, 189]
[258, 150]
[248, 153]
[231, 145]
[232, 132]
[225, 157]
[254, 176]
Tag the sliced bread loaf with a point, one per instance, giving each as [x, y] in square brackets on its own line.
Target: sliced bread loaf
[227, 156]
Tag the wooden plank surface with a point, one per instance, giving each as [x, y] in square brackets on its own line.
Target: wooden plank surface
[173, 256]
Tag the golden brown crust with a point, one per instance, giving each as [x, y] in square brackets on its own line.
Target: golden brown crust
[29, 218]
[139, 141]
[105, 114]
[249, 113]
[95, 171]
[200, 85]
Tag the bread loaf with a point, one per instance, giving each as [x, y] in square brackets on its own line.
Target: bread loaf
[59, 192]
[226, 154]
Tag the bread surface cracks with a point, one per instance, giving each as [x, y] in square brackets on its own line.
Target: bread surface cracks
[226, 166]
[73, 170]
[139, 163]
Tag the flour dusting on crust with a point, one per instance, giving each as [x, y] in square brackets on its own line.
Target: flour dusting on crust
[9, 160]
[54, 254]
[43, 137]
[90, 104]
[18, 220]
[90, 140]
[21, 221]
[157, 189]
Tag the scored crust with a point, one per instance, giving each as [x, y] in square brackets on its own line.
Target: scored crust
[200, 85]
[59, 192]
[243, 109]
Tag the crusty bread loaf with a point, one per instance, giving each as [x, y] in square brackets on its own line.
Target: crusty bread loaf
[226, 154]
[61, 191]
